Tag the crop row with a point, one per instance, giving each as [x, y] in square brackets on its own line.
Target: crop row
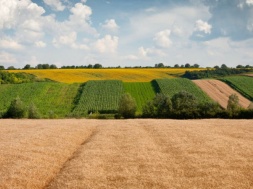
[142, 92]
[101, 96]
[172, 86]
[243, 84]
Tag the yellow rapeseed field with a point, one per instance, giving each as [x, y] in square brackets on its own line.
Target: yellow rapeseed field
[124, 74]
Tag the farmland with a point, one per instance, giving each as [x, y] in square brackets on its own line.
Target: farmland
[125, 75]
[142, 92]
[220, 92]
[102, 96]
[51, 98]
[172, 86]
[80, 153]
[242, 84]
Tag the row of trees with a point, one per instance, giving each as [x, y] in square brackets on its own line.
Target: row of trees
[183, 105]
[97, 65]
[216, 73]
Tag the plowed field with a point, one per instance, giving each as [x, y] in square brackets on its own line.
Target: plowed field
[139, 153]
[220, 92]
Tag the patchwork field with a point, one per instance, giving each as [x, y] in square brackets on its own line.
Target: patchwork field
[80, 153]
[220, 92]
[242, 84]
[173, 86]
[126, 75]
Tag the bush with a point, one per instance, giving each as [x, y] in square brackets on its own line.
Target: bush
[127, 106]
[33, 112]
[16, 109]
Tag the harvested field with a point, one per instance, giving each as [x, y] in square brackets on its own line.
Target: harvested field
[80, 153]
[220, 92]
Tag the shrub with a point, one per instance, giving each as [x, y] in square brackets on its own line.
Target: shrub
[33, 112]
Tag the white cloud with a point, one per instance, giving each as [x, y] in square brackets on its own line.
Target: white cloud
[108, 44]
[68, 39]
[249, 2]
[110, 25]
[9, 43]
[202, 26]
[55, 4]
[40, 44]
[7, 58]
[162, 39]
[80, 13]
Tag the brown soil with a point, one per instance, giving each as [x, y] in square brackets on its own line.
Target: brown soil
[137, 153]
[220, 92]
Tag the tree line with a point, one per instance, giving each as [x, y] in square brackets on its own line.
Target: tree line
[98, 66]
[183, 105]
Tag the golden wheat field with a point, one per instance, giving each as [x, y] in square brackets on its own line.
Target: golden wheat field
[124, 74]
[126, 154]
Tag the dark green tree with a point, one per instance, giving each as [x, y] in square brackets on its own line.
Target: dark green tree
[187, 65]
[224, 66]
[184, 105]
[148, 110]
[16, 109]
[127, 106]
[27, 66]
[163, 105]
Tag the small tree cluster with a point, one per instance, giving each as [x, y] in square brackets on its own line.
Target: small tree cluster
[18, 110]
[182, 105]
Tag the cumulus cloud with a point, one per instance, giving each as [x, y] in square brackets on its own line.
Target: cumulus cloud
[13, 13]
[202, 26]
[68, 39]
[162, 38]
[108, 44]
[55, 4]
[8, 43]
[110, 25]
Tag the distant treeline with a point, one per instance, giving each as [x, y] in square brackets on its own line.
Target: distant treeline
[16, 78]
[98, 65]
[215, 73]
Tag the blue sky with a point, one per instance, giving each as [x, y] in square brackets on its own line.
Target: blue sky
[126, 33]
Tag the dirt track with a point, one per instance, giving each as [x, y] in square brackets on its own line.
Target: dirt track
[220, 92]
[126, 154]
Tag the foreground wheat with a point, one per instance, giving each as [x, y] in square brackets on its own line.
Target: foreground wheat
[126, 154]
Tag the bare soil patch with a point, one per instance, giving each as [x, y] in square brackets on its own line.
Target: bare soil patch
[81, 153]
[220, 92]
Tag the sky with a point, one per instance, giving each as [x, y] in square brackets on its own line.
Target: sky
[126, 32]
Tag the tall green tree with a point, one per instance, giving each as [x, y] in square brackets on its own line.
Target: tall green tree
[184, 104]
[233, 106]
[127, 106]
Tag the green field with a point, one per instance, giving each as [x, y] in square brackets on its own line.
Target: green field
[51, 98]
[243, 84]
[172, 86]
[101, 96]
[142, 92]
